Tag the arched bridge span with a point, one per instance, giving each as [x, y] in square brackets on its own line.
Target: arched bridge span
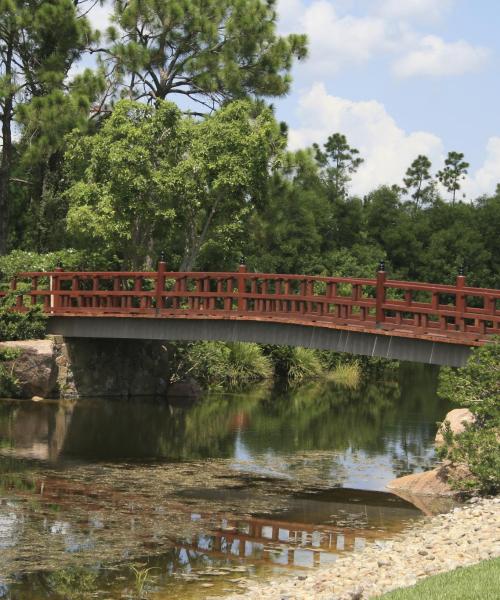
[379, 317]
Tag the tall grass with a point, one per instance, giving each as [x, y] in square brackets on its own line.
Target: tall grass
[346, 374]
[230, 365]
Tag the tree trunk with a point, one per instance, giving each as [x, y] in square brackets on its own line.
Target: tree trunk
[196, 241]
[6, 161]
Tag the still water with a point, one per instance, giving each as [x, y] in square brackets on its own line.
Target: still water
[188, 499]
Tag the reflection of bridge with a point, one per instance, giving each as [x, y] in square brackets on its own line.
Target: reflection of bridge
[379, 317]
[283, 542]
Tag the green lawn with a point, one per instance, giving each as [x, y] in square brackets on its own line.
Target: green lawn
[479, 582]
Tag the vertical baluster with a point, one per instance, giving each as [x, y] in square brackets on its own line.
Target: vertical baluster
[253, 290]
[460, 302]
[285, 307]
[74, 291]
[34, 288]
[242, 301]
[94, 301]
[380, 294]
[137, 290]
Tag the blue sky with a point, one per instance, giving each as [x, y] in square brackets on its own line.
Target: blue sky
[399, 78]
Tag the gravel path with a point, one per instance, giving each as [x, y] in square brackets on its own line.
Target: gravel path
[465, 536]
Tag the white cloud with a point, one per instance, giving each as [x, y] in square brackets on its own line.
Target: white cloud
[387, 149]
[421, 10]
[486, 178]
[334, 40]
[438, 58]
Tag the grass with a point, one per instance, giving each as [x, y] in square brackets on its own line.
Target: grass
[346, 374]
[479, 582]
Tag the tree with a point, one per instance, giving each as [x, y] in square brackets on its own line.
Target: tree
[152, 179]
[205, 51]
[455, 170]
[338, 161]
[417, 174]
[39, 42]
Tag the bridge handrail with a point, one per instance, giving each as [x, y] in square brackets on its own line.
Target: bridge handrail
[453, 311]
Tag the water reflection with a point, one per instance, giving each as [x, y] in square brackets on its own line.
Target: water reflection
[214, 490]
[394, 417]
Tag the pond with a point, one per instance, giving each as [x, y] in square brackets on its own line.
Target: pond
[110, 498]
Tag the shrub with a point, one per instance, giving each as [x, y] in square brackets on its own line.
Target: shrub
[295, 364]
[21, 260]
[220, 364]
[8, 383]
[27, 325]
[477, 387]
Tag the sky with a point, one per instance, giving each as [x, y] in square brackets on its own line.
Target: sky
[399, 78]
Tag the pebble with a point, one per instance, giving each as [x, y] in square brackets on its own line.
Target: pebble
[462, 537]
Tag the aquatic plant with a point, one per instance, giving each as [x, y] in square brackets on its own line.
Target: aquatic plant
[141, 577]
[346, 374]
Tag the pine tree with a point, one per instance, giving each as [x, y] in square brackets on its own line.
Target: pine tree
[40, 40]
[338, 161]
[200, 53]
[417, 174]
[455, 170]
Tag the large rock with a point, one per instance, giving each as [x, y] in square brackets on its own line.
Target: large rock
[456, 417]
[34, 368]
[428, 483]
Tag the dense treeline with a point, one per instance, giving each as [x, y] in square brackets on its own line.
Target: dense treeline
[168, 144]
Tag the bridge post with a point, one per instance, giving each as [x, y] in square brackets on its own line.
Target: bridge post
[55, 287]
[460, 300]
[380, 294]
[241, 288]
[160, 283]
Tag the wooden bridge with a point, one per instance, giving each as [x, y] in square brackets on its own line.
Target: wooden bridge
[379, 317]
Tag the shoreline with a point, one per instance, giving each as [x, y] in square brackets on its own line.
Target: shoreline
[465, 536]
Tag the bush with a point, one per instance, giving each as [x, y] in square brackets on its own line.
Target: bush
[220, 364]
[295, 364]
[27, 325]
[21, 260]
[8, 383]
[477, 387]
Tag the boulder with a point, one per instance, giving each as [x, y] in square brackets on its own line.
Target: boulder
[34, 368]
[435, 482]
[456, 417]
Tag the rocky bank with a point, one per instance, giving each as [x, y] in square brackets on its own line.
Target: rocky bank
[465, 536]
[62, 368]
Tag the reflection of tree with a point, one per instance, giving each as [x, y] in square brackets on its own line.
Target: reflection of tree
[324, 417]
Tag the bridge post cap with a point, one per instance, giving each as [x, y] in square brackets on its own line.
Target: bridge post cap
[381, 266]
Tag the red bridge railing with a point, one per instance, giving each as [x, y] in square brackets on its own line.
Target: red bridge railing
[457, 312]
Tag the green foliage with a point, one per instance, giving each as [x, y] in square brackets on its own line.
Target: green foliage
[72, 583]
[133, 196]
[417, 175]
[228, 365]
[19, 261]
[27, 325]
[295, 364]
[208, 52]
[338, 162]
[8, 383]
[454, 171]
[477, 387]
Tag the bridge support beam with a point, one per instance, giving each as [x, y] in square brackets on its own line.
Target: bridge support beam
[339, 340]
